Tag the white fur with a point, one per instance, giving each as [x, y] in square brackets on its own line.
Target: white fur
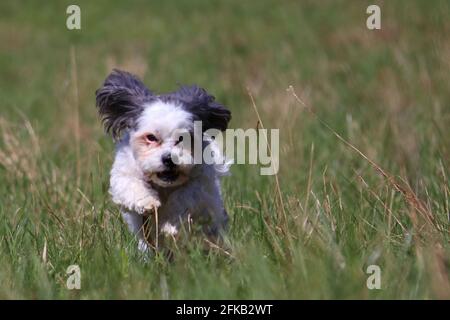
[197, 197]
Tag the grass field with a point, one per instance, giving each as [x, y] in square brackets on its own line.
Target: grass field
[336, 212]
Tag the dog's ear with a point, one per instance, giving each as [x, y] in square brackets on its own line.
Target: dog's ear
[204, 107]
[120, 101]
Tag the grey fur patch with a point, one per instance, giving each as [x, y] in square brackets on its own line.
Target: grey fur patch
[121, 101]
[202, 105]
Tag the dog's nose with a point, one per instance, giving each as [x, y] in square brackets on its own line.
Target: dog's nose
[167, 160]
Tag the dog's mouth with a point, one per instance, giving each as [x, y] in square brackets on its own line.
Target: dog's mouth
[168, 175]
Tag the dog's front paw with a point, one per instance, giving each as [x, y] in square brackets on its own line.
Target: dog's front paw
[147, 205]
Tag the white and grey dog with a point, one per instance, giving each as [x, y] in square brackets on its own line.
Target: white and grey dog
[150, 131]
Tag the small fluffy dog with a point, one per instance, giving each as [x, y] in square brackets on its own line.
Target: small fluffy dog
[156, 194]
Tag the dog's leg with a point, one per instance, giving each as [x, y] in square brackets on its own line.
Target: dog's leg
[134, 194]
[135, 225]
[128, 187]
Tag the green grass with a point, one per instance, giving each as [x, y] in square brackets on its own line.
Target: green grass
[386, 92]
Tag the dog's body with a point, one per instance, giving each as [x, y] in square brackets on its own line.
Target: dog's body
[146, 182]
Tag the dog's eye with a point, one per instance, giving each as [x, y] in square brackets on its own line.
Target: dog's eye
[180, 139]
[151, 138]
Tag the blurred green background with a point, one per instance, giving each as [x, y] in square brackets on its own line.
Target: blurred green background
[385, 91]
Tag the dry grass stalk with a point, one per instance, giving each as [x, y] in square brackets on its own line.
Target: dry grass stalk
[277, 181]
[409, 196]
[76, 111]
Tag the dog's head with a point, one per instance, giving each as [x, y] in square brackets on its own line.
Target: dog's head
[160, 127]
